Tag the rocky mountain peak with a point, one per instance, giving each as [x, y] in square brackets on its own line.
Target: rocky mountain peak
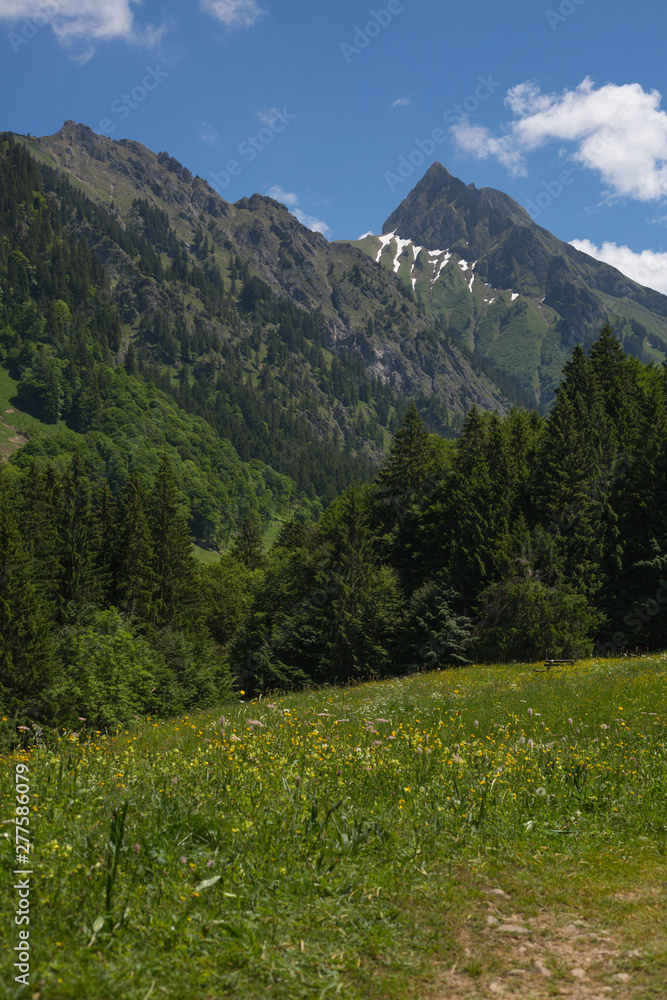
[441, 212]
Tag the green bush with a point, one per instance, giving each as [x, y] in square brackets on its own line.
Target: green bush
[108, 673]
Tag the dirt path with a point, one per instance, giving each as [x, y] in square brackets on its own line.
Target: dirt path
[507, 954]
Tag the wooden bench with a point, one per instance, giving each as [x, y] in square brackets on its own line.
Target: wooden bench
[548, 664]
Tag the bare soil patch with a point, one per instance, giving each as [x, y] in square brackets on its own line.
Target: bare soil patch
[10, 440]
[506, 953]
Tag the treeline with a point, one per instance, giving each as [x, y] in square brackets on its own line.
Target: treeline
[100, 606]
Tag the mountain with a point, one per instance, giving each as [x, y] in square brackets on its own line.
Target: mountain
[363, 313]
[142, 313]
[507, 288]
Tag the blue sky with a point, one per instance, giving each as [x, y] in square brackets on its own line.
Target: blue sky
[339, 107]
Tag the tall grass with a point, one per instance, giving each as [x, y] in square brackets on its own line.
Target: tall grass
[278, 848]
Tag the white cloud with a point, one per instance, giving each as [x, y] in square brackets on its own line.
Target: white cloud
[364, 235]
[292, 200]
[234, 13]
[83, 21]
[618, 131]
[209, 134]
[648, 267]
[402, 102]
[284, 196]
[310, 222]
[477, 139]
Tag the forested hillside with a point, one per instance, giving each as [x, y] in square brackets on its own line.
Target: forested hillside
[121, 393]
[529, 536]
[125, 332]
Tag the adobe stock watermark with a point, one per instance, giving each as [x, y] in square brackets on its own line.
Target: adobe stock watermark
[126, 103]
[565, 10]
[453, 115]
[31, 26]
[252, 146]
[22, 867]
[552, 190]
[378, 20]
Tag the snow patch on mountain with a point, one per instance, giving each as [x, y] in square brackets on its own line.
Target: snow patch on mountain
[443, 264]
[416, 251]
[400, 247]
[384, 241]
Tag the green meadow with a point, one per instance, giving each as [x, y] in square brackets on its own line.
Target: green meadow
[458, 834]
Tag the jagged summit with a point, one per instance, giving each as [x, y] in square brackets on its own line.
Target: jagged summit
[506, 287]
[442, 211]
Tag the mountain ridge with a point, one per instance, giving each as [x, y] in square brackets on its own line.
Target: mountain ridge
[313, 272]
[564, 296]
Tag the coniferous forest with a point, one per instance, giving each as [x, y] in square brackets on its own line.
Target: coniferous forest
[530, 535]
[527, 537]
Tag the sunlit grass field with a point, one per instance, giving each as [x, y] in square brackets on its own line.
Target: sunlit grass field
[342, 842]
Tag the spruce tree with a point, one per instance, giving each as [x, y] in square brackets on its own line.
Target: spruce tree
[41, 516]
[133, 573]
[24, 623]
[248, 547]
[79, 540]
[404, 475]
[175, 599]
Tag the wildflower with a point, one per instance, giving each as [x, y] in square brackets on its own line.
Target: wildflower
[476, 723]
[530, 744]
[543, 724]
[571, 722]
[136, 848]
[183, 859]
[530, 713]
[209, 864]
[541, 792]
